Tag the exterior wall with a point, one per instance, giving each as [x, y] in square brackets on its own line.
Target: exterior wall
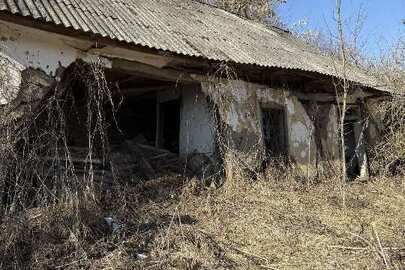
[197, 126]
[36, 49]
[240, 131]
[239, 104]
[331, 144]
[29, 57]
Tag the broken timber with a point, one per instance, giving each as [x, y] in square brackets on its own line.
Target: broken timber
[152, 72]
[144, 164]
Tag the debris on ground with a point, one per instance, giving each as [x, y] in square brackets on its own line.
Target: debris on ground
[133, 159]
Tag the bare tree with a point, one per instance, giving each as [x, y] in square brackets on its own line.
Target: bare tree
[342, 85]
[259, 10]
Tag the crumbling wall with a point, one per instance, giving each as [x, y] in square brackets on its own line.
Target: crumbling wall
[36, 49]
[239, 106]
[10, 78]
[331, 142]
[300, 128]
[239, 129]
[34, 86]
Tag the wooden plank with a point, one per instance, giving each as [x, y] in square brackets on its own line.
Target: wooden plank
[152, 72]
[143, 90]
[76, 160]
[149, 147]
[143, 162]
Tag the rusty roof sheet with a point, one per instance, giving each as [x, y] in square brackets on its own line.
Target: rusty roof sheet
[184, 27]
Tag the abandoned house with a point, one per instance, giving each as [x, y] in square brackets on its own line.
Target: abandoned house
[189, 73]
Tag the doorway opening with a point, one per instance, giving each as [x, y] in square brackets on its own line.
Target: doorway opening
[274, 132]
[168, 123]
[351, 124]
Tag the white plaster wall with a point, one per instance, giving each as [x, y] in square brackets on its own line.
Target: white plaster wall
[21, 48]
[36, 49]
[240, 106]
[48, 51]
[237, 103]
[302, 145]
[197, 128]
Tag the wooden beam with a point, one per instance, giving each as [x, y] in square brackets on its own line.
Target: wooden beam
[143, 90]
[152, 72]
[292, 75]
[145, 166]
[315, 97]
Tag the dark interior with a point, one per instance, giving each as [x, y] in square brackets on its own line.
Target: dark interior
[136, 119]
[139, 118]
[274, 132]
[170, 125]
[352, 162]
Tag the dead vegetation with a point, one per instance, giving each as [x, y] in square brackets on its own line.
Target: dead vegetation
[389, 150]
[258, 10]
[274, 222]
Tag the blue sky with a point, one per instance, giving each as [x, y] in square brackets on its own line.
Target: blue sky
[382, 19]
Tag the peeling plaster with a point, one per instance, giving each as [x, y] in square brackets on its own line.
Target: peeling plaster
[10, 79]
[36, 49]
[301, 132]
[237, 105]
[22, 48]
[242, 113]
[298, 133]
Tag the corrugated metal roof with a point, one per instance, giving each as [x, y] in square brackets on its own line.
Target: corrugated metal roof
[184, 27]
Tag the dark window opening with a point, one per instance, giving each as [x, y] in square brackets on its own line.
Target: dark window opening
[169, 125]
[274, 132]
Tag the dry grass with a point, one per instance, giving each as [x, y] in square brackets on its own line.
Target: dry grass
[265, 224]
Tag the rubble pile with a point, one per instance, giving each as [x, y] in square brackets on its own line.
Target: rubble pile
[127, 160]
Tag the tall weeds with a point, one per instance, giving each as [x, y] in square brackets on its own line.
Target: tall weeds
[39, 176]
[37, 160]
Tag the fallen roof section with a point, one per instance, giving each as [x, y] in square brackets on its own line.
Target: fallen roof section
[185, 27]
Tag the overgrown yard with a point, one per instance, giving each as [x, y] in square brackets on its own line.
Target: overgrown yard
[266, 224]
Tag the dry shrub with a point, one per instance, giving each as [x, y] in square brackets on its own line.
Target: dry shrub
[37, 166]
[271, 222]
[388, 152]
[259, 10]
[288, 225]
[52, 236]
[48, 209]
[389, 114]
